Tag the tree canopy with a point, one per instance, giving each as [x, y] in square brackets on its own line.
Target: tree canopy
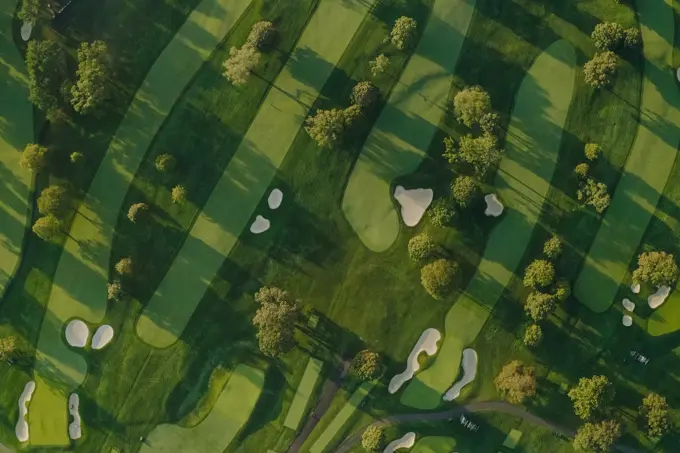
[8, 346]
[261, 35]
[516, 382]
[373, 438]
[657, 268]
[441, 212]
[54, 200]
[594, 193]
[539, 305]
[179, 195]
[608, 35]
[30, 11]
[165, 162]
[471, 104]
[48, 227]
[364, 94]
[421, 247]
[380, 65]
[241, 63]
[439, 277]
[552, 248]
[403, 32]
[366, 365]
[480, 153]
[592, 151]
[464, 190]
[114, 291]
[328, 127]
[275, 320]
[533, 335]
[539, 274]
[654, 409]
[601, 70]
[46, 67]
[591, 396]
[125, 266]
[598, 437]
[34, 157]
[138, 212]
[94, 69]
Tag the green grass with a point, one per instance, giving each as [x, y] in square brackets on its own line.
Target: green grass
[513, 439]
[647, 168]
[408, 122]
[303, 393]
[522, 182]
[219, 428]
[434, 444]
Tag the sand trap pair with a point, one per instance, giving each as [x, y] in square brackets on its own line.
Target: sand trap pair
[77, 334]
[261, 224]
[21, 429]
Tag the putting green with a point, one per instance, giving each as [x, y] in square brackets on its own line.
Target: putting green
[250, 171]
[647, 169]
[666, 318]
[304, 391]
[212, 435]
[79, 289]
[522, 183]
[512, 439]
[434, 444]
[406, 126]
[16, 131]
[339, 421]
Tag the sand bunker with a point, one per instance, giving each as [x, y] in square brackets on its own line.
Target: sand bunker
[627, 321]
[659, 297]
[102, 336]
[260, 225]
[635, 287]
[26, 30]
[21, 429]
[469, 364]
[275, 199]
[677, 74]
[426, 343]
[406, 441]
[628, 304]
[74, 431]
[493, 206]
[77, 333]
[413, 203]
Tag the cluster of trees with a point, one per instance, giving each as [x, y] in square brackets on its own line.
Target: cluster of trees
[656, 268]
[591, 192]
[275, 320]
[243, 60]
[438, 275]
[608, 37]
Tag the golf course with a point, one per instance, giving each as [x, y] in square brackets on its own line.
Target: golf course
[339, 226]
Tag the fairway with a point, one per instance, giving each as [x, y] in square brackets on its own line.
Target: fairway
[647, 169]
[80, 282]
[212, 435]
[523, 181]
[666, 318]
[303, 393]
[406, 125]
[249, 173]
[16, 131]
[434, 444]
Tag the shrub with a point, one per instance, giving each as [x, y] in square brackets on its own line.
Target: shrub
[591, 396]
[54, 200]
[94, 69]
[380, 65]
[34, 157]
[261, 35]
[328, 127]
[441, 212]
[552, 248]
[240, 64]
[594, 194]
[539, 305]
[632, 38]
[439, 277]
[47, 228]
[138, 212]
[471, 104]
[179, 195]
[608, 35]
[165, 163]
[124, 266]
[421, 247]
[540, 273]
[533, 335]
[364, 94]
[403, 32]
[592, 151]
[601, 70]
[114, 291]
[464, 190]
[373, 438]
[366, 365]
[581, 170]
[516, 382]
[657, 268]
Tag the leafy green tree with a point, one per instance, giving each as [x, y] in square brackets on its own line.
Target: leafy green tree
[364, 94]
[30, 11]
[125, 266]
[55, 200]
[328, 127]
[138, 212]
[421, 248]
[516, 382]
[366, 365]
[179, 195]
[592, 151]
[478, 152]
[114, 291]
[48, 227]
[533, 335]
[632, 38]
[275, 320]
[581, 171]
[591, 396]
[562, 290]
[46, 68]
[552, 248]
[165, 163]
[380, 65]
[403, 32]
[34, 157]
[539, 305]
[601, 70]
[94, 69]
[657, 268]
[373, 438]
[598, 437]
[76, 158]
[594, 193]
[654, 409]
[439, 277]
[491, 123]
[471, 104]
[464, 190]
[441, 212]
[261, 35]
[608, 35]
[241, 64]
[540, 273]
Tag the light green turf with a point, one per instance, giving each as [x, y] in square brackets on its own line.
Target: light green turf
[406, 126]
[80, 281]
[522, 183]
[16, 131]
[513, 439]
[304, 391]
[339, 421]
[666, 318]
[434, 444]
[212, 435]
[647, 169]
[230, 207]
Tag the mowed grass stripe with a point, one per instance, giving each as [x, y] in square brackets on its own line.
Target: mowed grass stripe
[79, 287]
[304, 391]
[434, 444]
[647, 169]
[242, 185]
[212, 435]
[16, 131]
[406, 126]
[523, 181]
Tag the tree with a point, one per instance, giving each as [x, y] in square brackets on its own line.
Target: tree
[421, 247]
[125, 267]
[441, 212]
[261, 35]
[533, 335]
[464, 190]
[76, 158]
[380, 65]
[47, 228]
[373, 438]
[540, 273]
[478, 152]
[592, 151]
[94, 67]
[54, 200]
[179, 195]
[403, 32]
[581, 171]
[591, 396]
[165, 163]
[657, 268]
[491, 123]
[366, 365]
[30, 11]
[114, 291]
[539, 305]
[516, 382]
[240, 64]
[34, 157]
[471, 104]
[608, 35]
[562, 290]
[632, 38]
[275, 319]
[46, 67]
[364, 94]
[599, 437]
[601, 70]
[439, 277]
[328, 127]
[8, 347]
[594, 194]
[655, 411]
[138, 212]
[552, 247]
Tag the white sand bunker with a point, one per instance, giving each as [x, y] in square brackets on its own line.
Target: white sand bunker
[413, 203]
[659, 297]
[77, 333]
[26, 30]
[635, 287]
[275, 199]
[426, 343]
[74, 431]
[102, 336]
[627, 321]
[21, 429]
[677, 73]
[260, 225]
[493, 206]
[469, 364]
[628, 304]
[406, 441]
